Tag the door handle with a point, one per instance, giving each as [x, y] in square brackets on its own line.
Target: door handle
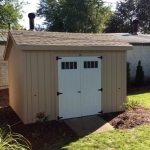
[79, 91]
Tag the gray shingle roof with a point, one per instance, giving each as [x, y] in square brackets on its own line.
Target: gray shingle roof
[68, 39]
[141, 38]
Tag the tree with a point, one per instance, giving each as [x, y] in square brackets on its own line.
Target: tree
[139, 78]
[126, 12]
[143, 14]
[10, 11]
[74, 15]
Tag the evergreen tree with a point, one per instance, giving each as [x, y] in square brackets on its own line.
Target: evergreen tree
[139, 78]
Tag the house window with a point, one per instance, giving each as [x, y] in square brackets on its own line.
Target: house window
[69, 65]
[90, 64]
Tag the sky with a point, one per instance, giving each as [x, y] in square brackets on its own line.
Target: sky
[32, 7]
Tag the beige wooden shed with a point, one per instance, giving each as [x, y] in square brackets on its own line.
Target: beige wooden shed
[65, 75]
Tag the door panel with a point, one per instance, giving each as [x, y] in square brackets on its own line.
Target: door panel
[69, 85]
[90, 83]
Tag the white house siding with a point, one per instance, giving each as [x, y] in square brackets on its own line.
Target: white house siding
[3, 69]
[141, 53]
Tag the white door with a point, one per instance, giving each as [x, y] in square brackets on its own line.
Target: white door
[69, 85]
[90, 85]
[79, 80]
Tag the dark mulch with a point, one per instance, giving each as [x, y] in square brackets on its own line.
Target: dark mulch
[39, 135]
[129, 118]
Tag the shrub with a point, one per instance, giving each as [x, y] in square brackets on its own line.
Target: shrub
[42, 123]
[130, 104]
[41, 117]
[12, 141]
[139, 78]
[128, 74]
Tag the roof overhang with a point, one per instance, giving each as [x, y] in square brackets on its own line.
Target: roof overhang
[65, 47]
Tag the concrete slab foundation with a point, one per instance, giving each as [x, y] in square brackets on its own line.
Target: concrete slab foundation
[89, 124]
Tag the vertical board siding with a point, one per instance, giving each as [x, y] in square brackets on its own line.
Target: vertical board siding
[25, 93]
[53, 86]
[119, 80]
[38, 84]
[42, 80]
[108, 81]
[114, 82]
[48, 83]
[16, 99]
[35, 84]
[29, 87]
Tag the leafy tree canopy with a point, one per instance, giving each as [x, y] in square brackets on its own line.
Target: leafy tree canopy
[126, 12]
[74, 15]
[11, 11]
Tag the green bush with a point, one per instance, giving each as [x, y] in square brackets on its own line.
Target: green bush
[12, 141]
[128, 74]
[139, 78]
[130, 104]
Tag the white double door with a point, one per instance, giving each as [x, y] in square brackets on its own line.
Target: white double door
[79, 80]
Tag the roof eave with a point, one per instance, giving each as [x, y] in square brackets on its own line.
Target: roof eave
[71, 47]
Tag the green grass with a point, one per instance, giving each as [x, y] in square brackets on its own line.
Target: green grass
[133, 139]
[143, 97]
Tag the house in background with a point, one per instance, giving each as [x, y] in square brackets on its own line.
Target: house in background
[3, 64]
[141, 51]
[65, 75]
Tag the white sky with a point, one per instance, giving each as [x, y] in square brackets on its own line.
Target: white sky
[33, 6]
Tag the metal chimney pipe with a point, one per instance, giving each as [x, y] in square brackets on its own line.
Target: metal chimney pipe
[135, 26]
[9, 26]
[31, 21]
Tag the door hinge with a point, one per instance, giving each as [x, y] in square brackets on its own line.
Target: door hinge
[58, 118]
[58, 58]
[100, 57]
[100, 89]
[59, 93]
[101, 112]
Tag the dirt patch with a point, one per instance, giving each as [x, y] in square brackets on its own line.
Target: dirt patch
[39, 135]
[129, 118]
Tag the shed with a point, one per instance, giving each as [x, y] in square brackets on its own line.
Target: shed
[65, 75]
[141, 51]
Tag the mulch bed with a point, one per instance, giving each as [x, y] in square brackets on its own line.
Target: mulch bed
[129, 118]
[39, 135]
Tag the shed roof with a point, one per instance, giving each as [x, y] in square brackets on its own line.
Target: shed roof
[34, 40]
[61, 38]
[130, 38]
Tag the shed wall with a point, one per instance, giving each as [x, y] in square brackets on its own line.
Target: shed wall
[15, 76]
[41, 80]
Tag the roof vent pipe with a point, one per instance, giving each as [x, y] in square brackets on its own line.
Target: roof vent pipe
[31, 21]
[135, 26]
[9, 26]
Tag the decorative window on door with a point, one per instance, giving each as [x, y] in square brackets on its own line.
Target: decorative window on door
[90, 64]
[69, 65]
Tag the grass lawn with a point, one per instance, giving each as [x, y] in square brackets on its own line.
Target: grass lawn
[143, 97]
[132, 139]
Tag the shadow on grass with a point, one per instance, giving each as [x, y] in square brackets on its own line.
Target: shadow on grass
[60, 145]
[139, 92]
